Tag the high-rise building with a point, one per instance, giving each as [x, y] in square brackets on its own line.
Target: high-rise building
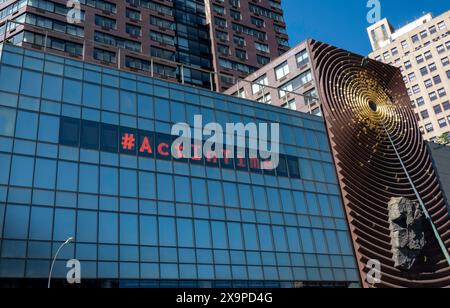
[287, 81]
[422, 51]
[182, 40]
[246, 35]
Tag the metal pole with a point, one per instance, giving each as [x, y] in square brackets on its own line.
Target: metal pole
[45, 42]
[152, 66]
[182, 73]
[68, 241]
[422, 205]
[211, 80]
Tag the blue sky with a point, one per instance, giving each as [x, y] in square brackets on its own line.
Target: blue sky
[343, 23]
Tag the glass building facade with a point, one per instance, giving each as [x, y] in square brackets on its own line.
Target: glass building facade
[149, 221]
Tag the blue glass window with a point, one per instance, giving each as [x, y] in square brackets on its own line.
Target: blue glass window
[16, 222]
[26, 126]
[90, 134]
[128, 102]
[110, 99]
[202, 234]
[7, 121]
[147, 185]
[162, 109]
[145, 106]
[108, 228]
[72, 91]
[231, 194]
[165, 187]
[88, 180]
[109, 181]
[245, 196]
[219, 234]
[321, 244]
[182, 189]
[250, 237]
[22, 171]
[67, 176]
[91, 95]
[64, 226]
[313, 206]
[45, 174]
[215, 193]
[199, 191]
[307, 240]
[41, 223]
[128, 229]
[10, 79]
[128, 183]
[52, 87]
[5, 161]
[31, 83]
[148, 230]
[185, 233]
[235, 233]
[48, 128]
[259, 194]
[87, 227]
[167, 231]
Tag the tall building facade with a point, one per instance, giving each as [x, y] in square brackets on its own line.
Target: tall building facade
[182, 40]
[287, 81]
[422, 51]
[84, 153]
[246, 36]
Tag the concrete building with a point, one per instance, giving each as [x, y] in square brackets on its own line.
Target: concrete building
[422, 51]
[165, 39]
[288, 81]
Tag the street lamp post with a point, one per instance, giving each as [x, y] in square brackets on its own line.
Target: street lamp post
[68, 241]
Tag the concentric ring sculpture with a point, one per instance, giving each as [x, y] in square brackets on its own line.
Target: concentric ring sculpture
[364, 103]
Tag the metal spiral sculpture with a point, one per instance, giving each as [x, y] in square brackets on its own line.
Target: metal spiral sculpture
[365, 103]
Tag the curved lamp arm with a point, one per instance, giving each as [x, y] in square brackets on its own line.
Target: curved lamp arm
[68, 241]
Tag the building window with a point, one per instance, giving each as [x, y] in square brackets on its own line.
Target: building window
[432, 30]
[420, 101]
[394, 51]
[428, 83]
[104, 55]
[429, 128]
[442, 92]
[302, 58]
[445, 61]
[424, 71]
[416, 89]
[239, 41]
[442, 26]
[259, 84]
[446, 105]
[437, 109]
[262, 60]
[241, 54]
[415, 38]
[428, 55]
[424, 114]
[408, 65]
[282, 70]
[442, 122]
[223, 49]
[433, 96]
[412, 77]
[437, 79]
[404, 44]
[132, 14]
[448, 74]
[423, 34]
[419, 59]
[440, 49]
[69, 133]
[432, 67]
[386, 56]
